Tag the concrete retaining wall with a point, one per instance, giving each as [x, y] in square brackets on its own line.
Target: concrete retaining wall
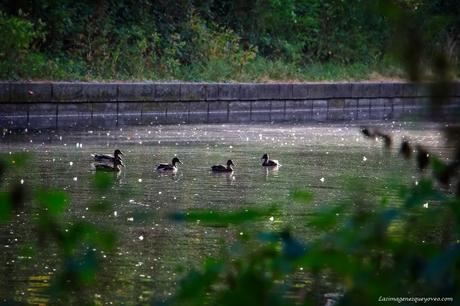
[71, 104]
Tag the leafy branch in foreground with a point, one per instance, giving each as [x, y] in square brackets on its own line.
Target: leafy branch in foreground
[364, 253]
[40, 213]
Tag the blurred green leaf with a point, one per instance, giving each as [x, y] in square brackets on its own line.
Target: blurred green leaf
[422, 192]
[105, 239]
[5, 206]
[437, 165]
[212, 218]
[55, 201]
[327, 218]
[300, 195]
[103, 180]
[101, 205]
[292, 248]
[15, 160]
[28, 251]
[194, 287]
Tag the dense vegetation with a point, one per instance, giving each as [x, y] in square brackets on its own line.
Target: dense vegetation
[221, 40]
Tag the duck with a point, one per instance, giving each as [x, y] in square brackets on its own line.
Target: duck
[169, 167]
[114, 167]
[222, 168]
[387, 140]
[405, 150]
[106, 158]
[367, 132]
[423, 158]
[268, 162]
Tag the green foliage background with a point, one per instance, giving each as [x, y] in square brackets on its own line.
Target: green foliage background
[217, 40]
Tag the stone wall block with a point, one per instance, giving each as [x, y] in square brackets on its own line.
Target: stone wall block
[193, 92]
[248, 91]
[4, 91]
[365, 90]
[99, 92]
[68, 92]
[133, 92]
[229, 91]
[268, 91]
[300, 91]
[167, 92]
[31, 92]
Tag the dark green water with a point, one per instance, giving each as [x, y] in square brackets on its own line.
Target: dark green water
[325, 159]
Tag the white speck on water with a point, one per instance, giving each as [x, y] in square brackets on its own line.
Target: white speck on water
[271, 219]
[131, 219]
[60, 138]
[115, 213]
[322, 180]
[141, 237]
[241, 233]
[425, 205]
[71, 164]
[159, 192]
[75, 179]
[416, 183]
[230, 147]
[139, 180]
[131, 201]
[364, 158]
[22, 181]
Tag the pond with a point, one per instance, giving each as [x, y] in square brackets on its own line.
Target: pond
[153, 251]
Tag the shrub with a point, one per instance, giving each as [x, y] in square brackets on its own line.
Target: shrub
[18, 57]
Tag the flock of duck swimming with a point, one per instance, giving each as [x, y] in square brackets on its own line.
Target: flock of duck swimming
[106, 162]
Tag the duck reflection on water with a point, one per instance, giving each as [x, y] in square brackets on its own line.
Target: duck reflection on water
[229, 176]
[270, 171]
[173, 175]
